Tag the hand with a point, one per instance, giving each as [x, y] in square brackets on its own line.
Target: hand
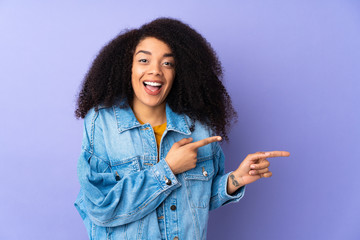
[182, 156]
[252, 168]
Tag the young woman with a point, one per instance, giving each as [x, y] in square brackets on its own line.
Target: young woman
[151, 166]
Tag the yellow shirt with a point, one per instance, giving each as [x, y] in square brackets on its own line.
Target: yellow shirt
[158, 130]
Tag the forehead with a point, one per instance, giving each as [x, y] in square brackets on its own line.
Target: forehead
[154, 44]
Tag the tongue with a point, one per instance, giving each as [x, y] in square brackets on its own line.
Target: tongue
[152, 88]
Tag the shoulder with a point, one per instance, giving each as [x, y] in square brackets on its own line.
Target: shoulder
[98, 122]
[97, 115]
[198, 128]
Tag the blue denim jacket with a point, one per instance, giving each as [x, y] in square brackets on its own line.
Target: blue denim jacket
[127, 194]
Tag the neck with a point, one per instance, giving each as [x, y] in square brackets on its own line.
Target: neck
[153, 115]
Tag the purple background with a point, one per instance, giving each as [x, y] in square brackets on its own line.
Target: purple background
[292, 70]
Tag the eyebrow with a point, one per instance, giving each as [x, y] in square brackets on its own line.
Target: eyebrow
[149, 53]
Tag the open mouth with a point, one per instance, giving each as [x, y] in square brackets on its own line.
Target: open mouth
[152, 86]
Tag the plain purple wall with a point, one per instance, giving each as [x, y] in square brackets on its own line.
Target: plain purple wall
[292, 70]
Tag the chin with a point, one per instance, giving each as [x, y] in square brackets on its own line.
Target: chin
[152, 102]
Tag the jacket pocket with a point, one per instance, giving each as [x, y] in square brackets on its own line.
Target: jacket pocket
[199, 181]
[124, 167]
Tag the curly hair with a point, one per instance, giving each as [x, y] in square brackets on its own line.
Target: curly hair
[197, 90]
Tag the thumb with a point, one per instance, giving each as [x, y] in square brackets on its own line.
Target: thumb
[184, 141]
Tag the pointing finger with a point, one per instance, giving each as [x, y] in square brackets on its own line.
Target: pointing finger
[259, 155]
[278, 154]
[205, 141]
[183, 141]
[256, 156]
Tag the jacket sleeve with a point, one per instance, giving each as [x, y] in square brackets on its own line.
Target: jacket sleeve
[219, 195]
[109, 202]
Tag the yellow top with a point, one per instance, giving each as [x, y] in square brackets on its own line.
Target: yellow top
[158, 130]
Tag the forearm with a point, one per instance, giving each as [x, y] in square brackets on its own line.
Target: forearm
[110, 202]
[220, 195]
[233, 183]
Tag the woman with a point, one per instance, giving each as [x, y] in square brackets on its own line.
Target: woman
[151, 167]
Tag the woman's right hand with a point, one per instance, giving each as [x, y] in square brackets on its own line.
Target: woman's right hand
[182, 156]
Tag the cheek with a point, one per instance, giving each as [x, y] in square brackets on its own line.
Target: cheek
[137, 71]
[136, 75]
[171, 77]
[134, 80]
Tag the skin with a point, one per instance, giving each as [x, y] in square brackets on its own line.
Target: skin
[252, 168]
[182, 157]
[153, 61]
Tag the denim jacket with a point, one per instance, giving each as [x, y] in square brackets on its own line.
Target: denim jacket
[127, 194]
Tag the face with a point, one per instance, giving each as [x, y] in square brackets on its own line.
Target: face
[153, 72]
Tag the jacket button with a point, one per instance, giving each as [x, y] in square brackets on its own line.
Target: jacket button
[173, 207]
[205, 173]
[167, 181]
[176, 238]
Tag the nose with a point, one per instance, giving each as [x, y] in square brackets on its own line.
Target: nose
[155, 69]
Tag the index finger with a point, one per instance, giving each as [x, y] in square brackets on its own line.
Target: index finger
[277, 154]
[205, 141]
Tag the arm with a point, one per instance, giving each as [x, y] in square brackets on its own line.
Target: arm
[231, 187]
[109, 202]
[219, 191]
[252, 168]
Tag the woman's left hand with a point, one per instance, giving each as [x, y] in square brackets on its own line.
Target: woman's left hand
[252, 168]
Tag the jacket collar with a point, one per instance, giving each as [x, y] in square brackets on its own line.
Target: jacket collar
[126, 119]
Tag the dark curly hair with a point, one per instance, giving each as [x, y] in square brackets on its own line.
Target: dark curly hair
[197, 90]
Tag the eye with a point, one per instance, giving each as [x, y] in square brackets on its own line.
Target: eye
[143, 60]
[170, 64]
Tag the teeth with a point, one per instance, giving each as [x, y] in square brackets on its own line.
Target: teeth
[155, 84]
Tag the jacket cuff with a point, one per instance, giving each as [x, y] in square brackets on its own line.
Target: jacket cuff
[227, 198]
[165, 176]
